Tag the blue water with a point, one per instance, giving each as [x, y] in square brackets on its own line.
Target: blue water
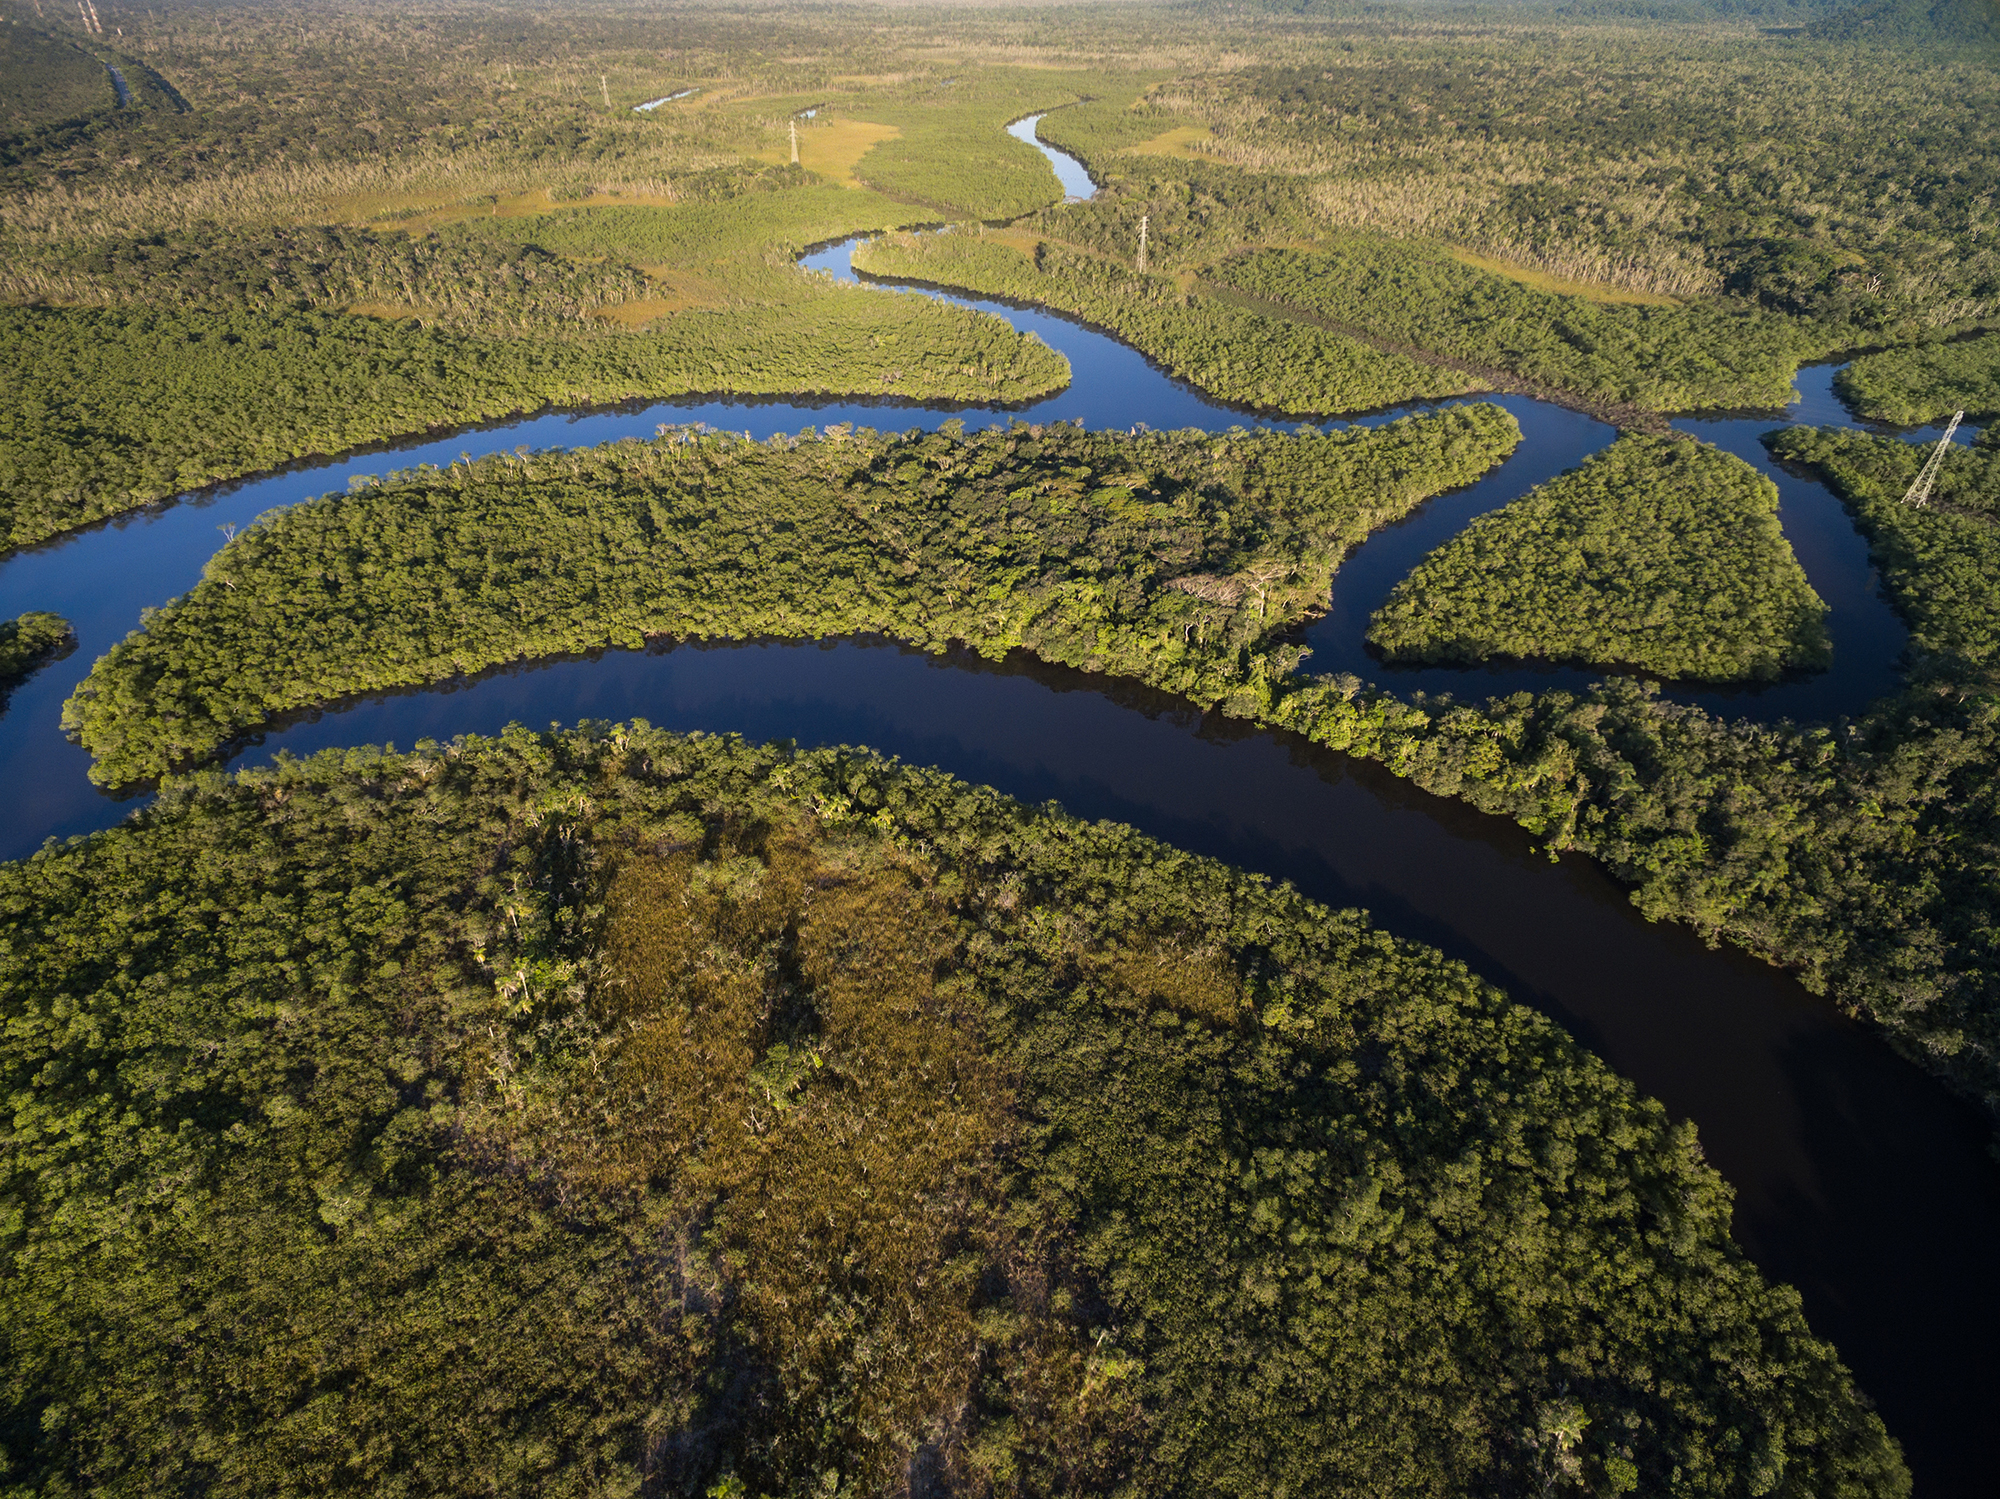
[1076, 183]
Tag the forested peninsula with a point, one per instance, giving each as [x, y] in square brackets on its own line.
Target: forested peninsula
[1927, 383]
[133, 405]
[574, 1112]
[1940, 561]
[1175, 557]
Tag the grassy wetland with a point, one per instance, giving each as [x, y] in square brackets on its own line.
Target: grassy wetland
[618, 1111]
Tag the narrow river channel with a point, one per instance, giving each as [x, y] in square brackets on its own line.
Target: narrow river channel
[1858, 1179]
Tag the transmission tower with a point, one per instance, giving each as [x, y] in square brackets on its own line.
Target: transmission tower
[795, 142]
[1142, 241]
[1920, 492]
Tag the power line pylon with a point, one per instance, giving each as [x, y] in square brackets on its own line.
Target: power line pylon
[795, 142]
[1142, 241]
[1920, 492]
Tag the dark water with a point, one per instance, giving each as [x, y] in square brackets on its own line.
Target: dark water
[1858, 1179]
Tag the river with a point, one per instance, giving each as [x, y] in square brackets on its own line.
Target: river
[1858, 1179]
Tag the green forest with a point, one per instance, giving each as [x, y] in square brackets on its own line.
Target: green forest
[1662, 358]
[180, 349]
[606, 1111]
[1319, 244]
[1940, 562]
[133, 405]
[1659, 553]
[1167, 556]
[1718, 163]
[27, 644]
[1927, 383]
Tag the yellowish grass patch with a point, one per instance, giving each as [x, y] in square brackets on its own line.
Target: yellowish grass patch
[1023, 240]
[389, 310]
[1594, 291]
[639, 314]
[832, 148]
[417, 212]
[1180, 141]
[674, 290]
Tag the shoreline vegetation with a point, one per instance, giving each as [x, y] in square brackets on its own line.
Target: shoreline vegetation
[1659, 554]
[1939, 563]
[1657, 359]
[1850, 853]
[29, 642]
[155, 360]
[564, 254]
[136, 405]
[1926, 384]
[605, 1102]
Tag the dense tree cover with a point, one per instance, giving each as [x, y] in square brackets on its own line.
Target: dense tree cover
[606, 1111]
[118, 407]
[27, 643]
[1915, 22]
[315, 113]
[1658, 553]
[1939, 564]
[1926, 383]
[104, 423]
[1664, 358]
[1178, 557]
[1861, 855]
[461, 281]
[1840, 182]
[45, 78]
[1231, 352]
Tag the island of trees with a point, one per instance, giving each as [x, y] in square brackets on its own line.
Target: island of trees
[1175, 557]
[1658, 554]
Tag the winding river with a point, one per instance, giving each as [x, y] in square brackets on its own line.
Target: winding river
[1857, 1178]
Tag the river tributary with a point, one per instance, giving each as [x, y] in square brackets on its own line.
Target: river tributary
[1858, 1179]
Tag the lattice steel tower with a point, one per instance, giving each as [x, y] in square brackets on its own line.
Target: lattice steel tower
[1920, 492]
